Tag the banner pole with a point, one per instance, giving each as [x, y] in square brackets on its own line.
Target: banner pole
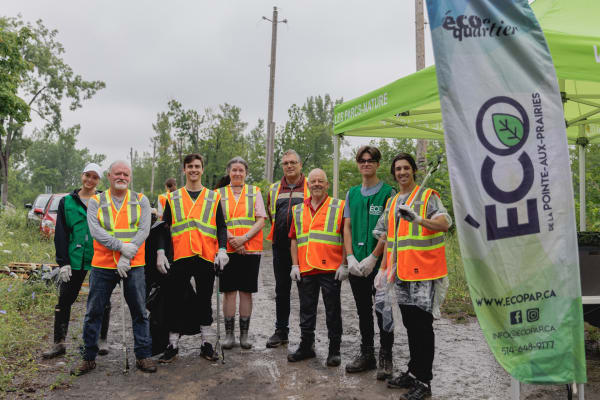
[582, 213]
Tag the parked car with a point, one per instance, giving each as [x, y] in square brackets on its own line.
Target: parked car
[37, 209]
[49, 219]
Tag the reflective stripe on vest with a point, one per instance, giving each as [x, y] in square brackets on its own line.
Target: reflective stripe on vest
[194, 230]
[324, 245]
[111, 220]
[240, 215]
[420, 252]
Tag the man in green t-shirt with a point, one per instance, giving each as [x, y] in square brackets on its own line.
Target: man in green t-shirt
[364, 205]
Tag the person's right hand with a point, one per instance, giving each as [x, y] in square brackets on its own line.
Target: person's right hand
[65, 273]
[162, 263]
[295, 274]
[353, 265]
[128, 250]
[380, 279]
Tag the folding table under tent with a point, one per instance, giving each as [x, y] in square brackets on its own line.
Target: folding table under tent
[410, 106]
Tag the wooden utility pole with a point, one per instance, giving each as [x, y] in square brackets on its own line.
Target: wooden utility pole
[153, 163]
[420, 50]
[131, 158]
[270, 142]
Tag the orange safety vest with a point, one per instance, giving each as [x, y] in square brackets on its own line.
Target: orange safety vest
[162, 199]
[420, 252]
[274, 190]
[120, 223]
[319, 238]
[194, 224]
[239, 216]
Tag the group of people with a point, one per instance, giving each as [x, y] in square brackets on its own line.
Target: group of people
[381, 239]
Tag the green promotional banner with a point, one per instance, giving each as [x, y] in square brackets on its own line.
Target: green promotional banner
[511, 184]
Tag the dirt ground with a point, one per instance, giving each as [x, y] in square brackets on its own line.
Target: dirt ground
[464, 368]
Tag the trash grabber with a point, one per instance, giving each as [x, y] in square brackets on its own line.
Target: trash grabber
[218, 346]
[124, 339]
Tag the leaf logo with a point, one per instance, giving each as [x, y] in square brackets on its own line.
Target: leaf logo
[508, 128]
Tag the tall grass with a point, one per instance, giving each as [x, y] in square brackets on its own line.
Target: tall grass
[458, 303]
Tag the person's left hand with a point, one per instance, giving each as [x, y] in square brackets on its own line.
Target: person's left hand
[221, 259]
[123, 266]
[367, 264]
[341, 274]
[407, 213]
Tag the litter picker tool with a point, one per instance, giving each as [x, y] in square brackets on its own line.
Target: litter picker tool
[218, 347]
[124, 338]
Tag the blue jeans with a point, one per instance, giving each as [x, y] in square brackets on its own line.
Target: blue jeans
[102, 283]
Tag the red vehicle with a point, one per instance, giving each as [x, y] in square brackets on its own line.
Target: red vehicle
[49, 218]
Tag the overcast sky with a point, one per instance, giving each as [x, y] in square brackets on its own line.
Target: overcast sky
[205, 53]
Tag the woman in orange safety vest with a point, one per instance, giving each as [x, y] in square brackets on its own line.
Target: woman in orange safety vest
[170, 186]
[413, 225]
[245, 215]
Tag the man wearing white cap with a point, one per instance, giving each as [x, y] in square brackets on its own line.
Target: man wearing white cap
[74, 252]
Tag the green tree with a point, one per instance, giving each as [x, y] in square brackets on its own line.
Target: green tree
[43, 86]
[255, 152]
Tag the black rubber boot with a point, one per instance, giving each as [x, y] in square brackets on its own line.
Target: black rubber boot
[244, 327]
[365, 360]
[305, 350]
[60, 333]
[102, 343]
[229, 337]
[385, 370]
[334, 359]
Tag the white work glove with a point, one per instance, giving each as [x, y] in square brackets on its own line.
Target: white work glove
[128, 250]
[353, 265]
[162, 263]
[407, 213]
[123, 266]
[295, 274]
[367, 264]
[380, 279]
[64, 273]
[342, 272]
[221, 259]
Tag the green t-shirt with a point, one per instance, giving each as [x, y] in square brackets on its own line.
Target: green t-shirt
[364, 211]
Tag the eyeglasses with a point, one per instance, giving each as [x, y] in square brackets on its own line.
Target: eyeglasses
[369, 161]
[286, 163]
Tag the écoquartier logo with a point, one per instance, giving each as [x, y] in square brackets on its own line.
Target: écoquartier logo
[475, 26]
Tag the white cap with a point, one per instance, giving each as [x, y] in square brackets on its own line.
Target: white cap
[93, 167]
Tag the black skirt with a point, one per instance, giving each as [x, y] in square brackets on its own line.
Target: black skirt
[241, 273]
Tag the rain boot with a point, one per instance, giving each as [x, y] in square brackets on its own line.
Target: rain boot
[60, 333]
[102, 343]
[229, 337]
[244, 326]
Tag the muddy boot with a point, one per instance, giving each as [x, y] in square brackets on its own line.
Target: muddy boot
[364, 361]
[305, 350]
[102, 343]
[60, 333]
[244, 326]
[385, 369]
[334, 359]
[279, 337]
[84, 367]
[229, 337]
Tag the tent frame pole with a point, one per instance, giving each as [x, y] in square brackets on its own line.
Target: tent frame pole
[336, 165]
[582, 201]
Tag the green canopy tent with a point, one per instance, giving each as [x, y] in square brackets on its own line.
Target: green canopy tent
[410, 106]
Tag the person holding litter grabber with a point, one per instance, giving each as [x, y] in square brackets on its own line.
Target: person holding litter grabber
[199, 238]
[364, 205]
[119, 222]
[74, 251]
